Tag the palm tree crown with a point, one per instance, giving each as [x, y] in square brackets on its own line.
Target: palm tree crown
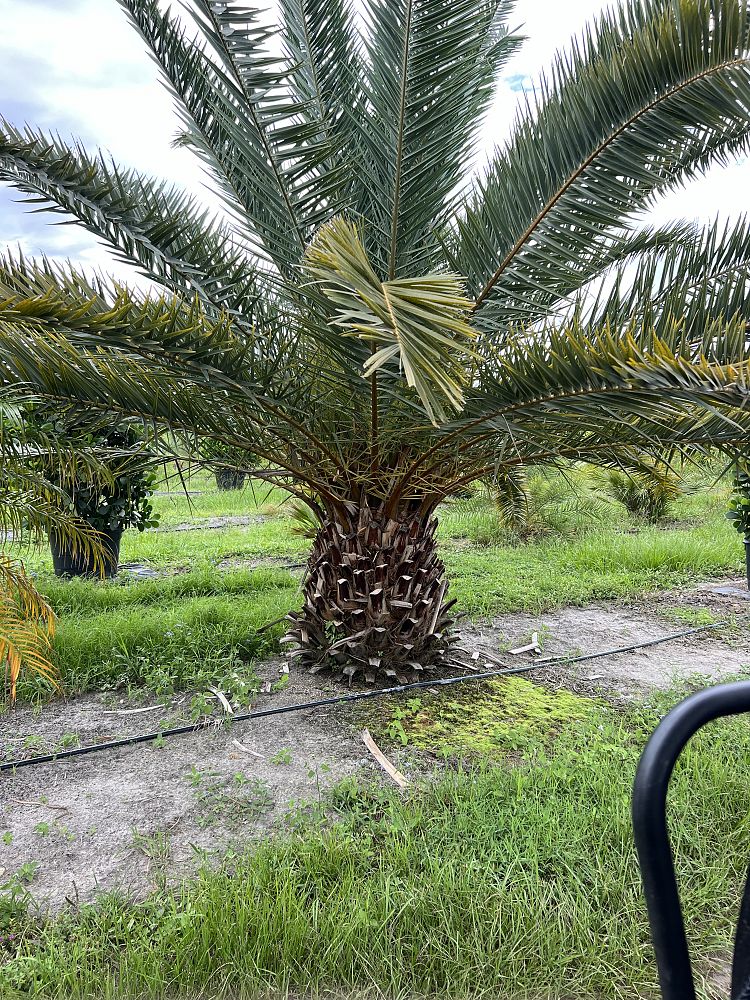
[363, 322]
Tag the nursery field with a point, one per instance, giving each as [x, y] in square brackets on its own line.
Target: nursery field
[483, 315]
[274, 858]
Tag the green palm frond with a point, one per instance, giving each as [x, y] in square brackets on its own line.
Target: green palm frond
[323, 49]
[418, 322]
[300, 160]
[569, 374]
[234, 118]
[432, 70]
[60, 299]
[576, 396]
[152, 225]
[649, 491]
[648, 97]
[508, 492]
[544, 501]
[697, 286]
[584, 280]
[371, 119]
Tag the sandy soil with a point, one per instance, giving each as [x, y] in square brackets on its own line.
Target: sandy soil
[132, 817]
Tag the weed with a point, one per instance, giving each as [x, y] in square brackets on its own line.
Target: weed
[408, 711]
[283, 756]
[280, 684]
[157, 849]
[16, 903]
[201, 705]
[230, 801]
[693, 617]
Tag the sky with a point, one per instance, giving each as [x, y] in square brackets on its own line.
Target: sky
[77, 67]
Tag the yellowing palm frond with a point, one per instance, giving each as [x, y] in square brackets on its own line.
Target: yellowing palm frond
[27, 624]
[421, 322]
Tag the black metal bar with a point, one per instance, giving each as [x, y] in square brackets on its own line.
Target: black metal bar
[747, 562]
[651, 834]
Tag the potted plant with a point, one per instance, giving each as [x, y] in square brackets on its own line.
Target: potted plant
[109, 499]
[739, 512]
[222, 459]
[110, 510]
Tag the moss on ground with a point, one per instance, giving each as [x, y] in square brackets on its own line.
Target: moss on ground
[504, 715]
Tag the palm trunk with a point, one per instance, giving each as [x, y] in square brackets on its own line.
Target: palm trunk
[374, 597]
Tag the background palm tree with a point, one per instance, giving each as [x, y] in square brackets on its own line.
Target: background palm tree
[376, 328]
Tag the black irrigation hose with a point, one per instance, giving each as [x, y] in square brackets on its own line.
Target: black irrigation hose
[343, 699]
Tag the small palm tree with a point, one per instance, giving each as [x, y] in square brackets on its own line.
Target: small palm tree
[376, 327]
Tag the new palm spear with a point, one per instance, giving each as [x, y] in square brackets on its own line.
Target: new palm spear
[369, 326]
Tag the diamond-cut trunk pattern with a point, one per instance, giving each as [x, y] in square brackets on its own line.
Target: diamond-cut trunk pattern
[374, 598]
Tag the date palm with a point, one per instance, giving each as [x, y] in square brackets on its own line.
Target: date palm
[371, 325]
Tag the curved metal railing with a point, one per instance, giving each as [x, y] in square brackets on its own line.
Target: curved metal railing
[655, 852]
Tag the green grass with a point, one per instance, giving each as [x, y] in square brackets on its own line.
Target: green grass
[205, 611]
[181, 632]
[607, 562]
[516, 881]
[204, 500]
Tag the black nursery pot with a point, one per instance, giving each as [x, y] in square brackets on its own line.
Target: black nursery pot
[228, 479]
[82, 564]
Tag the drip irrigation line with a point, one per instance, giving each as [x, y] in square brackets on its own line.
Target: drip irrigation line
[229, 720]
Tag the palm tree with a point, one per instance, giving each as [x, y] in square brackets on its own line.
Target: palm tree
[373, 325]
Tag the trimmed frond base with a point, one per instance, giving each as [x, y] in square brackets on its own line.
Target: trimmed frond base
[374, 599]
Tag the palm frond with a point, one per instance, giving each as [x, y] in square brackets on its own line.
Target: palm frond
[232, 118]
[27, 625]
[420, 323]
[650, 95]
[323, 49]
[649, 491]
[432, 67]
[243, 100]
[569, 374]
[579, 396]
[697, 287]
[147, 223]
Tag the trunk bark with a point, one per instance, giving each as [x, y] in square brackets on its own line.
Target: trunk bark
[228, 479]
[374, 598]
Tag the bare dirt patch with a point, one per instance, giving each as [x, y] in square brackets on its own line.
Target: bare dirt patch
[710, 656]
[222, 521]
[133, 817]
[123, 818]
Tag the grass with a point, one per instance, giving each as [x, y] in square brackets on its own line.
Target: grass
[510, 874]
[607, 562]
[197, 620]
[164, 635]
[516, 881]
